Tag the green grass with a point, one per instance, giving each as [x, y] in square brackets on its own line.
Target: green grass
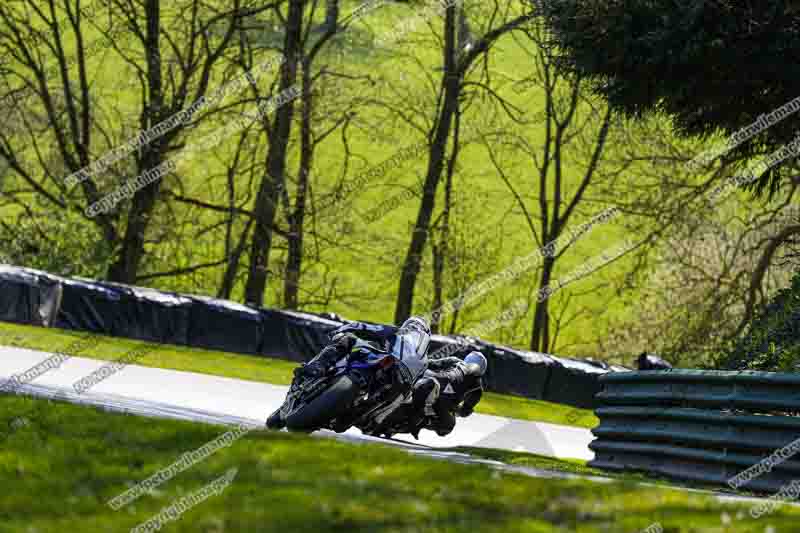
[276, 371]
[526, 409]
[68, 461]
[578, 467]
[532, 460]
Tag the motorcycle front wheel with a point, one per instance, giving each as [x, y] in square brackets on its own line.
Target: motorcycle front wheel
[325, 407]
[274, 421]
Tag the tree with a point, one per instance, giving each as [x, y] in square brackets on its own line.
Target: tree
[172, 55]
[301, 54]
[568, 161]
[710, 66]
[456, 66]
[331, 14]
[704, 284]
[274, 179]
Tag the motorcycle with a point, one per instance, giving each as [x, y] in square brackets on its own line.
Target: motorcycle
[360, 390]
[399, 421]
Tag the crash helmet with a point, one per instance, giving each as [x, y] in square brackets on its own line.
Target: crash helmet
[476, 358]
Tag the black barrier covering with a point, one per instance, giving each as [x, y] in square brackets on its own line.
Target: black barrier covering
[573, 382]
[33, 297]
[28, 296]
[515, 372]
[88, 306]
[151, 315]
[531, 374]
[225, 326]
[650, 361]
[294, 336]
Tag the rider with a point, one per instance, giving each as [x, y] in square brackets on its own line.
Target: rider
[449, 387]
[409, 343]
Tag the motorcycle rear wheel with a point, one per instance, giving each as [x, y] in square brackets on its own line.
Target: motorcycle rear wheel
[324, 407]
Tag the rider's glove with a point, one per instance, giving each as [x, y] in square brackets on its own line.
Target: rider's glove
[313, 370]
[463, 413]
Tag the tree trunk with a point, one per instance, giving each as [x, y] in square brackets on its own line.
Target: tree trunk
[3, 171]
[331, 14]
[126, 266]
[452, 88]
[274, 178]
[229, 277]
[465, 36]
[441, 250]
[296, 217]
[540, 337]
[438, 283]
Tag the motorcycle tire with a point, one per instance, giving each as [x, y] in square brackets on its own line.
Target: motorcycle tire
[274, 421]
[324, 407]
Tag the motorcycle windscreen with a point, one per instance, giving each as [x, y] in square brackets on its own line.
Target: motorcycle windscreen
[411, 347]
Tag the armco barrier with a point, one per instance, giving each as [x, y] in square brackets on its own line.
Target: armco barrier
[700, 426]
[33, 297]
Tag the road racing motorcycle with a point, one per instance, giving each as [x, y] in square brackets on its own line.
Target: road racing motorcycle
[360, 390]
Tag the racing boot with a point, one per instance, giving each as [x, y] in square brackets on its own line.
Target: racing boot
[426, 393]
[417, 427]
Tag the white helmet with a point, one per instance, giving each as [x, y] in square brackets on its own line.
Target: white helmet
[477, 358]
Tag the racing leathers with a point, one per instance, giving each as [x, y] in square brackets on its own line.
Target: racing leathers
[448, 388]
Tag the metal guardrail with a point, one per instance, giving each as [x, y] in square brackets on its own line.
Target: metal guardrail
[751, 391]
[700, 426]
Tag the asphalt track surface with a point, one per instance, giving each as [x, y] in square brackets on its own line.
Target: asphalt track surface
[211, 399]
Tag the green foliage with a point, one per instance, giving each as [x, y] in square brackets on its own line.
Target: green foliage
[689, 305]
[4, 171]
[709, 65]
[772, 341]
[61, 242]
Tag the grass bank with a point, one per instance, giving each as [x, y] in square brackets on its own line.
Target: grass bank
[67, 461]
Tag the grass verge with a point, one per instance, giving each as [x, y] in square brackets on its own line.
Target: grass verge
[67, 461]
[541, 462]
[276, 371]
